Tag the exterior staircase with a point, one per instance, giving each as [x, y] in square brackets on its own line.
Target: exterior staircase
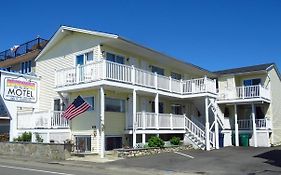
[197, 135]
[217, 112]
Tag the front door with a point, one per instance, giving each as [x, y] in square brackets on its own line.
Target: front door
[83, 144]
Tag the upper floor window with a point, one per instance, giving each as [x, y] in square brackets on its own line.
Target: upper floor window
[115, 58]
[252, 82]
[59, 105]
[177, 109]
[160, 106]
[114, 105]
[91, 101]
[175, 76]
[26, 67]
[158, 70]
[84, 58]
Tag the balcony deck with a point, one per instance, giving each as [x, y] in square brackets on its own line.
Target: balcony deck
[245, 94]
[131, 77]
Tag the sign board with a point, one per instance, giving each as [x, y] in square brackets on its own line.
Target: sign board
[20, 89]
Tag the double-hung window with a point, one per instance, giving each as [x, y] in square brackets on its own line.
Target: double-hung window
[84, 58]
[91, 101]
[175, 76]
[252, 82]
[158, 70]
[115, 58]
[114, 105]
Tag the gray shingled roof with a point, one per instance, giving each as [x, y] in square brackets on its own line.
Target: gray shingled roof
[259, 67]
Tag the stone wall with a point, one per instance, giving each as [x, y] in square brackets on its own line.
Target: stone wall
[125, 153]
[36, 150]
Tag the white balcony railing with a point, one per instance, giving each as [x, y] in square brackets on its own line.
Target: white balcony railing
[260, 124]
[246, 92]
[106, 70]
[42, 120]
[148, 120]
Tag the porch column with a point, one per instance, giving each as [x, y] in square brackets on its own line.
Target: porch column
[156, 107]
[236, 126]
[102, 151]
[143, 138]
[207, 125]
[134, 118]
[254, 125]
[217, 132]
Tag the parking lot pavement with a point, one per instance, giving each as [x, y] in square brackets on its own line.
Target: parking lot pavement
[229, 160]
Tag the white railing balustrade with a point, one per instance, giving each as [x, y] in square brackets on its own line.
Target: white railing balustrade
[42, 120]
[260, 124]
[149, 120]
[246, 92]
[107, 70]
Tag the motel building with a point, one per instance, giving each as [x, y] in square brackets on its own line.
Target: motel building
[136, 92]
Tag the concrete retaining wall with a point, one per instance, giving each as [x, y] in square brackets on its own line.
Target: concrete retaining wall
[36, 150]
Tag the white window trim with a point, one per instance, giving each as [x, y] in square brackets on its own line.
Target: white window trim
[115, 98]
[88, 96]
[242, 80]
[114, 53]
[84, 52]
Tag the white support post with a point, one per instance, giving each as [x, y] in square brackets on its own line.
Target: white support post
[104, 69]
[134, 117]
[133, 75]
[181, 86]
[207, 125]
[171, 121]
[78, 73]
[243, 92]
[102, 150]
[170, 84]
[259, 91]
[216, 132]
[156, 107]
[254, 125]
[205, 83]
[155, 80]
[143, 138]
[143, 119]
[236, 126]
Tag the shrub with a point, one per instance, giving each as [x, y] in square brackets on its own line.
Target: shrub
[156, 142]
[25, 137]
[38, 138]
[175, 140]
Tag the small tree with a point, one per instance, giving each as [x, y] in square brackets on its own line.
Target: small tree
[38, 138]
[156, 142]
[25, 137]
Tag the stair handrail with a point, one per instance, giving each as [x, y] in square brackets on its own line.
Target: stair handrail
[220, 119]
[194, 129]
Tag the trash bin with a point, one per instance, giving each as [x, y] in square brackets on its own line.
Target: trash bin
[221, 140]
[244, 139]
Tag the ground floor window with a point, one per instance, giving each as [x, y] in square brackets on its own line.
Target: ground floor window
[113, 143]
[83, 143]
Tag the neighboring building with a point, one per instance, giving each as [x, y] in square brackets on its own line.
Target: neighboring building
[136, 92]
[250, 95]
[19, 58]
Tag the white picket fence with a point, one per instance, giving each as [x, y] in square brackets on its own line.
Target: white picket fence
[129, 74]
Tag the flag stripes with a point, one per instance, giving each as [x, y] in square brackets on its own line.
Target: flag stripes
[78, 106]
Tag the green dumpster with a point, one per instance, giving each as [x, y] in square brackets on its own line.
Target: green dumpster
[244, 139]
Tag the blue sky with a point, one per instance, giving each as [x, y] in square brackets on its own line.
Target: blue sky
[213, 34]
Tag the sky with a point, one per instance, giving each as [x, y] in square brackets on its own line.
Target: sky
[213, 34]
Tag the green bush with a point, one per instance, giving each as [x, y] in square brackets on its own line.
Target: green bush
[25, 137]
[38, 138]
[175, 140]
[156, 142]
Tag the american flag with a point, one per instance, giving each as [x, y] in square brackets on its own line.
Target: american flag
[78, 106]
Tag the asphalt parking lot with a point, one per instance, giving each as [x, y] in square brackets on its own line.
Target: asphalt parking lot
[229, 160]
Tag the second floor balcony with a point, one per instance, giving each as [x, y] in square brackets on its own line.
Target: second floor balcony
[245, 93]
[111, 71]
